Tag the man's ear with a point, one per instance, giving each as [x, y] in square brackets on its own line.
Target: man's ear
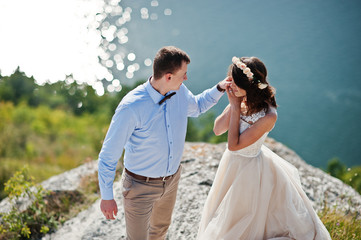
[168, 76]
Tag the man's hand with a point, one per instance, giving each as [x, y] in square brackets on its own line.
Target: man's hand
[225, 83]
[109, 208]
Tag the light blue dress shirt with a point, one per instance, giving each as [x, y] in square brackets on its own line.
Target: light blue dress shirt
[152, 135]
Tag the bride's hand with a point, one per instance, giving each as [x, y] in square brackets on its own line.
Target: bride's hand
[233, 100]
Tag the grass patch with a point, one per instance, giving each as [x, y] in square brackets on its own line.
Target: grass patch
[341, 226]
[49, 208]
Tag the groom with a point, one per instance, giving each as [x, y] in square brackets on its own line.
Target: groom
[150, 123]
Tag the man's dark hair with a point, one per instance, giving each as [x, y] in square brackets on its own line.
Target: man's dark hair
[168, 60]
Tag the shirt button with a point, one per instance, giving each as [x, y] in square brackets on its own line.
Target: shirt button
[168, 125]
[170, 157]
[171, 142]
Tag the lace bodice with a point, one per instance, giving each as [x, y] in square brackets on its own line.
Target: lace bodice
[245, 122]
[251, 119]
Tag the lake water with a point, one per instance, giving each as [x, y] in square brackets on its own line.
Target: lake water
[312, 50]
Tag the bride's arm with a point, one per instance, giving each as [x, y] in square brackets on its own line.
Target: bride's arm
[222, 121]
[237, 141]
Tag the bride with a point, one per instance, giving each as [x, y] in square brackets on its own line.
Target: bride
[255, 194]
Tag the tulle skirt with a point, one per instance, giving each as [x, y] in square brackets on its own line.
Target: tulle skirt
[258, 198]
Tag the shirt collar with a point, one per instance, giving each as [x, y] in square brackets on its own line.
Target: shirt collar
[154, 94]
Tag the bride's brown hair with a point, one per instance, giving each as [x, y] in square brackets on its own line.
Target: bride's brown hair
[257, 99]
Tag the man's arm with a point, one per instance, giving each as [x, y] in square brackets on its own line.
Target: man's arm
[122, 125]
[203, 102]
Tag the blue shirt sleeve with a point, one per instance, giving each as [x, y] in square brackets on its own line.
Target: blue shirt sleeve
[202, 102]
[121, 128]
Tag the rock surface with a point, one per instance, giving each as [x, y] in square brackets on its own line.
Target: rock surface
[200, 162]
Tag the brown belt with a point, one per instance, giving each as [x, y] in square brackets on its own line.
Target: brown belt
[143, 178]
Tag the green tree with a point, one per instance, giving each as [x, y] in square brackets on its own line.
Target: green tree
[336, 168]
[201, 129]
[353, 177]
[350, 176]
[17, 87]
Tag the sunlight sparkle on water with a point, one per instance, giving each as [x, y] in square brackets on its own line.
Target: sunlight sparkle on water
[49, 50]
[144, 13]
[112, 47]
[153, 16]
[136, 66]
[167, 12]
[131, 56]
[131, 68]
[116, 83]
[129, 75]
[72, 40]
[118, 58]
[154, 3]
[120, 66]
[109, 63]
[147, 62]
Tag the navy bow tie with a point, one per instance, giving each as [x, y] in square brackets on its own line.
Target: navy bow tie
[166, 97]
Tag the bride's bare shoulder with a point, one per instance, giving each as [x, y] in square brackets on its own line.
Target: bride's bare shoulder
[272, 111]
[271, 116]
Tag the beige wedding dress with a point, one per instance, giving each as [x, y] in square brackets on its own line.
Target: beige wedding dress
[258, 195]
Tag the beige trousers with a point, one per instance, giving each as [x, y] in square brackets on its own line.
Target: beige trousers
[148, 206]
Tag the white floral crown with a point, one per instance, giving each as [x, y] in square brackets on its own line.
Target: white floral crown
[247, 71]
